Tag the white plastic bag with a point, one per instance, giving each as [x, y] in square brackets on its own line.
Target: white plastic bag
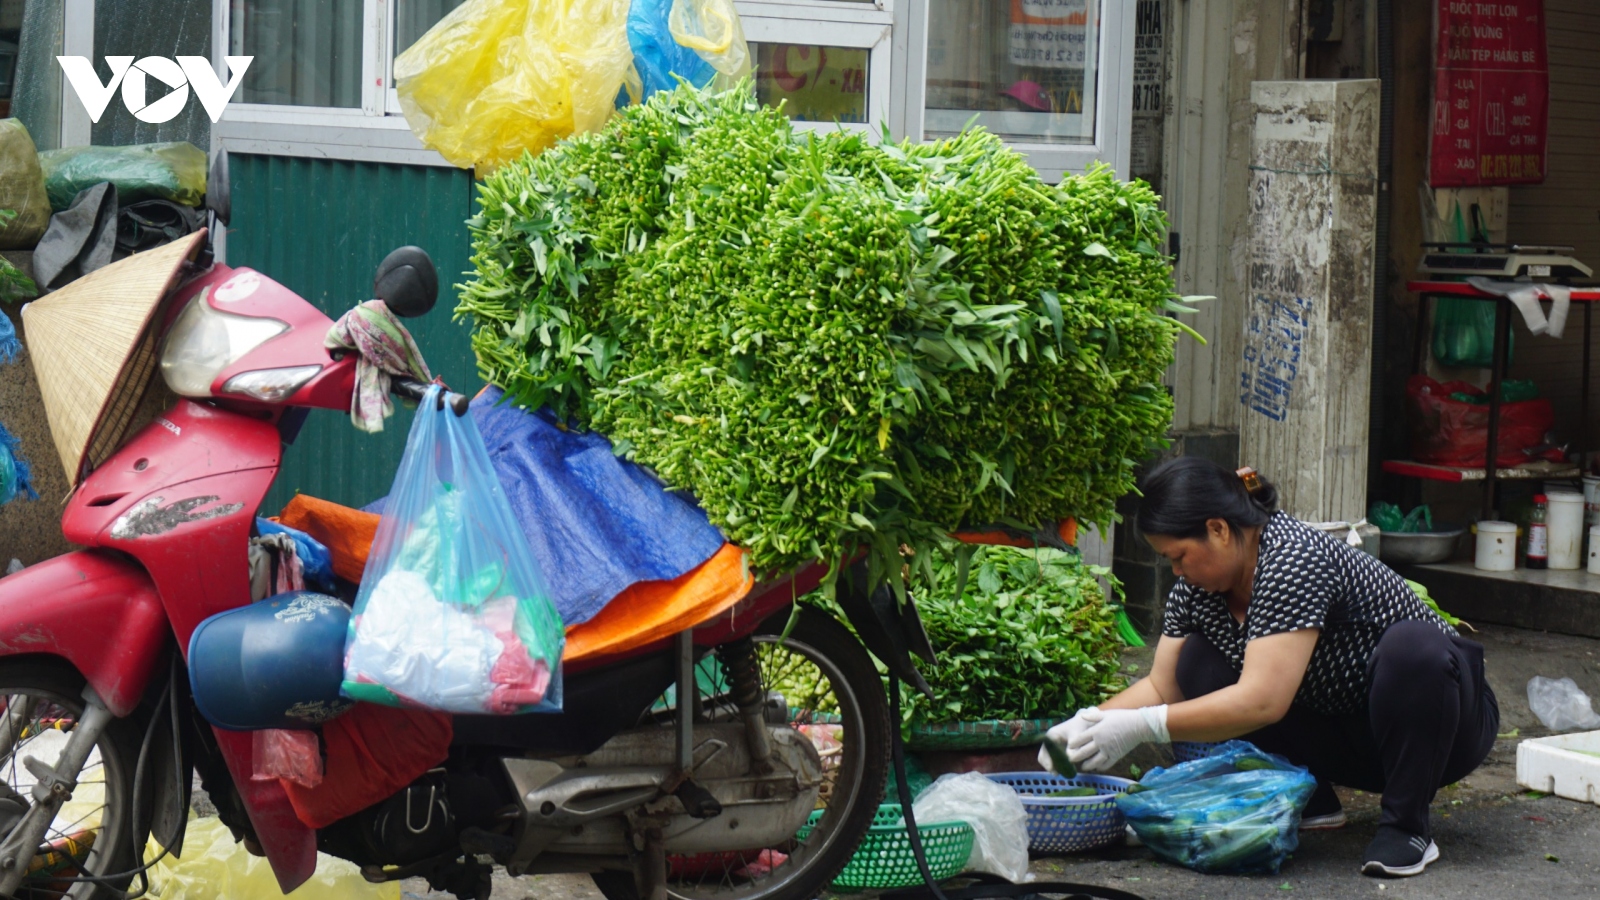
[1560, 704]
[995, 812]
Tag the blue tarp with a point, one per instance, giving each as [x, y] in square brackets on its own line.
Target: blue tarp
[597, 524]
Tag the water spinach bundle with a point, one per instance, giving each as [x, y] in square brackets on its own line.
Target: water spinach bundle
[835, 346]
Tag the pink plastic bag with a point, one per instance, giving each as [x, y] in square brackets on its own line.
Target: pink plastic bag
[294, 756]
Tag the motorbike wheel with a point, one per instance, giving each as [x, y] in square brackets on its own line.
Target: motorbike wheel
[91, 835]
[831, 687]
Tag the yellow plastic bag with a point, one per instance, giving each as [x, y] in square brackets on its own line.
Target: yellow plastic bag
[214, 866]
[711, 29]
[497, 77]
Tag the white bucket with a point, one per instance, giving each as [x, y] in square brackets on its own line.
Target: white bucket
[1497, 547]
[1566, 530]
[1594, 549]
[1591, 499]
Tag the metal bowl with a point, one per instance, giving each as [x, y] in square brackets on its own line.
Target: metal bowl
[1419, 548]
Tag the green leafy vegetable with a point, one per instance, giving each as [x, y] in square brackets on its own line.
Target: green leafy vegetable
[834, 345]
[1031, 636]
[14, 284]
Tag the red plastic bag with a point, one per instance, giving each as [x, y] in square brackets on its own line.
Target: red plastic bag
[1451, 432]
[372, 753]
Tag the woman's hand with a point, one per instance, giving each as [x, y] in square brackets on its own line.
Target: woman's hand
[1112, 733]
[1064, 734]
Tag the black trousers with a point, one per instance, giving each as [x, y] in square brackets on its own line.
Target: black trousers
[1430, 719]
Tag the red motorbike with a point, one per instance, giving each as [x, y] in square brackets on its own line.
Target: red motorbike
[724, 794]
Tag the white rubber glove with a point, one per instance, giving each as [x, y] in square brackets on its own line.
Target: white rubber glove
[1063, 734]
[1113, 733]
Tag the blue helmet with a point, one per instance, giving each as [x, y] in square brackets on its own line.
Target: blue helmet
[276, 663]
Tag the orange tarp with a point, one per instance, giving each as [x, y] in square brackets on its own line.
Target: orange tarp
[646, 612]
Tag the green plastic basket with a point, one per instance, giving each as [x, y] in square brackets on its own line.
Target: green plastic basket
[884, 860]
[992, 734]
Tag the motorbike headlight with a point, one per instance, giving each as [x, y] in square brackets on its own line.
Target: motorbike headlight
[270, 385]
[204, 342]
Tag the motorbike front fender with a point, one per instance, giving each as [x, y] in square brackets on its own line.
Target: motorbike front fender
[95, 609]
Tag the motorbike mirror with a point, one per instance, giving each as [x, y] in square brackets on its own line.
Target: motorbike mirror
[219, 197]
[407, 282]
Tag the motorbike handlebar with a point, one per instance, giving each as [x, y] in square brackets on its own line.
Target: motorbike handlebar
[414, 390]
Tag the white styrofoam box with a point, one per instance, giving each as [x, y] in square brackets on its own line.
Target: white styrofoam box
[1559, 765]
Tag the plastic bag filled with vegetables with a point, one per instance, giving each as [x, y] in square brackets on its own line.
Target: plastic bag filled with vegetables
[1236, 811]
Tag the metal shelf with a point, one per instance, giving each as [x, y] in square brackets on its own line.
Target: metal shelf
[1526, 472]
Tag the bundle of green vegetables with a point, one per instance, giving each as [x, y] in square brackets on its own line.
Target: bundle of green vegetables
[1029, 635]
[834, 346]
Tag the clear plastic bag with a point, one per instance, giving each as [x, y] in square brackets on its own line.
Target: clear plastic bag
[1235, 811]
[495, 78]
[452, 614]
[1560, 704]
[175, 171]
[999, 821]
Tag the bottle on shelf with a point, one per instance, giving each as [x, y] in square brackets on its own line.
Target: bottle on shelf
[1539, 534]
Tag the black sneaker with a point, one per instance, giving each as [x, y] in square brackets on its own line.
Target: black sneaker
[1395, 854]
[1323, 811]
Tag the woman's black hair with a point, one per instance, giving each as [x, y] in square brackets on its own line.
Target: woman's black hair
[1183, 494]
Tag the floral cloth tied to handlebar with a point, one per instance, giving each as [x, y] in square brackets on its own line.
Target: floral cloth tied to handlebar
[386, 349]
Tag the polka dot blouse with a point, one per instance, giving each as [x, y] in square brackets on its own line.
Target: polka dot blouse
[1306, 579]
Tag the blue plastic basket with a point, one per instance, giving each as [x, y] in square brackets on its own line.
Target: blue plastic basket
[1189, 751]
[1068, 824]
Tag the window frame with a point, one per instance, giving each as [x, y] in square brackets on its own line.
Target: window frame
[833, 23]
[895, 32]
[1113, 94]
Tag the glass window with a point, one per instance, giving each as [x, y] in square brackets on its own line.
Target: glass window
[815, 83]
[307, 52]
[35, 91]
[413, 18]
[127, 28]
[1026, 70]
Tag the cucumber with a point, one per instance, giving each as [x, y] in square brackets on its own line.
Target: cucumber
[1058, 758]
[1077, 792]
[1252, 764]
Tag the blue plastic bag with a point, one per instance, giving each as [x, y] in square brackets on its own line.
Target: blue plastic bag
[1235, 811]
[316, 566]
[452, 614]
[656, 56]
[695, 40]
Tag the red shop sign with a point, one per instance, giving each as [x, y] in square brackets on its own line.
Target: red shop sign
[1491, 93]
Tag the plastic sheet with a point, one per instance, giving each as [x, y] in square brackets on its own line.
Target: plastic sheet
[596, 524]
[999, 821]
[496, 78]
[711, 28]
[1560, 704]
[452, 614]
[1235, 811]
[214, 866]
[21, 188]
[175, 171]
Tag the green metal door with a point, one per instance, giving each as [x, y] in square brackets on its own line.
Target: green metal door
[320, 228]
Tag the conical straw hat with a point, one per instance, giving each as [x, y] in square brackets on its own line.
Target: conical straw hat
[94, 351]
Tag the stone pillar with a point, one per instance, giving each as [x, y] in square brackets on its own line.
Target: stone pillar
[1305, 375]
